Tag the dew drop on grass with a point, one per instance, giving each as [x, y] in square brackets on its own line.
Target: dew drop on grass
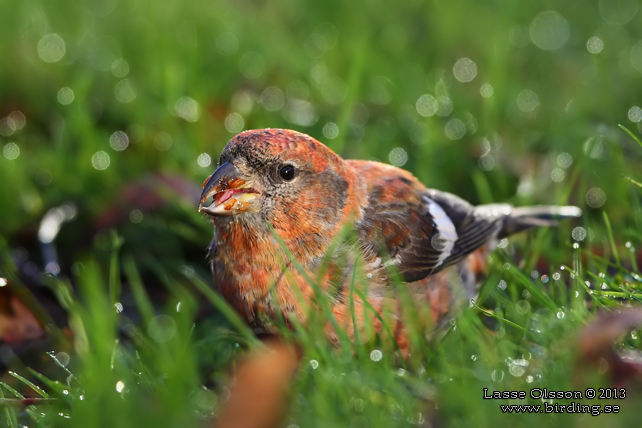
[557, 276]
[534, 274]
[560, 314]
[473, 357]
[529, 379]
[120, 386]
[634, 335]
[314, 364]
[119, 141]
[502, 285]
[506, 266]
[455, 129]
[576, 245]
[544, 278]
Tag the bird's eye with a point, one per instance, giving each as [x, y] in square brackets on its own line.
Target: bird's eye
[287, 172]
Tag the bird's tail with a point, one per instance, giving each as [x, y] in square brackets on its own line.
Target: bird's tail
[523, 218]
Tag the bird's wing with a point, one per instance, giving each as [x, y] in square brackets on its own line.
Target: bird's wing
[420, 230]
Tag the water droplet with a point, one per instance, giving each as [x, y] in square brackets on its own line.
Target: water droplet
[594, 45]
[100, 160]
[497, 375]
[119, 307]
[544, 278]
[560, 314]
[398, 156]
[534, 274]
[506, 266]
[204, 160]
[51, 48]
[576, 245]
[234, 123]
[314, 364]
[549, 30]
[577, 294]
[529, 379]
[557, 276]
[634, 335]
[331, 131]
[120, 386]
[486, 90]
[522, 307]
[465, 70]
[502, 285]
[502, 243]
[376, 355]
[595, 197]
[473, 357]
[65, 96]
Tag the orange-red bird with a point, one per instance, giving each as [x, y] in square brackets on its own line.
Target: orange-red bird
[276, 182]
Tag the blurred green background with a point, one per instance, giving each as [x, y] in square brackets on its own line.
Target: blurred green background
[115, 111]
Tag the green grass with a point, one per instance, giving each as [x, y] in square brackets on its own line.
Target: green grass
[359, 67]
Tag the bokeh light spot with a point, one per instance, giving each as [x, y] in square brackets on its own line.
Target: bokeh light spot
[120, 68]
[465, 70]
[595, 197]
[636, 56]
[119, 141]
[227, 43]
[11, 151]
[100, 160]
[252, 65]
[124, 91]
[272, 98]
[527, 101]
[594, 45]
[486, 90]
[549, 31]
[426, 105]
[564, 160]
[187, 108]
[51, 48]
[204, 160]
[635, 114]
[579, 233]
[618, 11]
[162, 141]
[162, 328]
[330, 130]
[65, 96]
[455, 129]
[398, 156]
[234, 123]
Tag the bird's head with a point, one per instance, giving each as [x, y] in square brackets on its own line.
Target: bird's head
[280, 176]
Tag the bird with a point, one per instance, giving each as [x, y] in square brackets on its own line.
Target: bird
[298, 229]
